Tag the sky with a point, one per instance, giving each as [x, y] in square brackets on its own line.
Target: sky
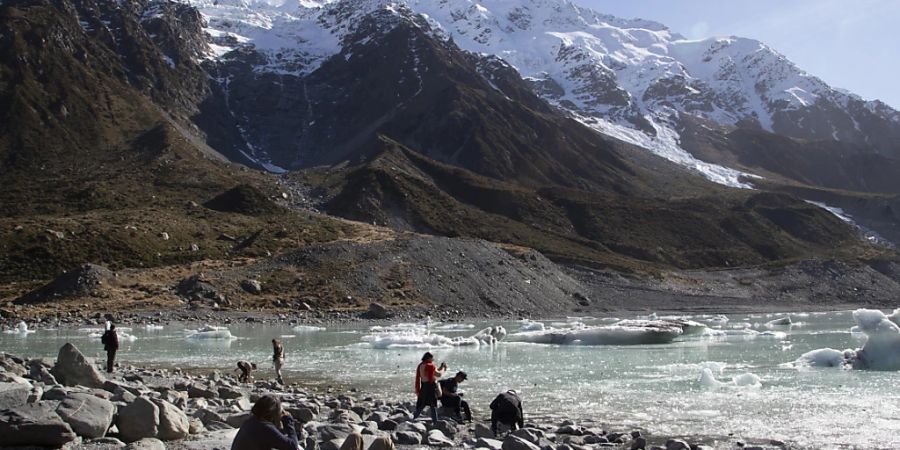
[850, 44]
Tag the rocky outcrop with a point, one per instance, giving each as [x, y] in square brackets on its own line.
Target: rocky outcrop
[173, 423]
[138, 420]
[77, 282]
[74, 369]
[34, 425]
[13, 394]
[88, 415]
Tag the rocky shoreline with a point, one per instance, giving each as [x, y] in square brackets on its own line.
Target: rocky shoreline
[69, 403]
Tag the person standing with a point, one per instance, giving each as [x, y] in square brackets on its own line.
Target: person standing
[427, 387]
[110, 341]
[507, 409]
[260, 431]
[452, 398]
[278, 359]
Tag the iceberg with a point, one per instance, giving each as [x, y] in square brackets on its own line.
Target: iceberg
[688, 327]
[21, 329]
[748, 380]
[881, 350]
[601, 335]
[307, 329]
[529, 325]
[210, 332]
[781, 322]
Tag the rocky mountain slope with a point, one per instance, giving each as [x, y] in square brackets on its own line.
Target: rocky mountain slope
[125, 126]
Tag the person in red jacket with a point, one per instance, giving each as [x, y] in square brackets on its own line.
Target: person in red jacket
[427, 386]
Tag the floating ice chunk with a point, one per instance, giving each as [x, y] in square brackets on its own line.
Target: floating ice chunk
[882, 348]
[780, 322]
[825, 357]
[895, 317]
[153, 327]
[211, 333]
[719, 319]
[747, 380]
[688, 327]
[90, 330]
[307, 329]
[528, 325]
[781, 335]
[21, 329]
[455, 327]
[651, 316]
[491, 335]
[601, 335]
[399, 327]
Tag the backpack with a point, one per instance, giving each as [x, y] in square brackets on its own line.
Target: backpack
[506, 403]
[105, 338]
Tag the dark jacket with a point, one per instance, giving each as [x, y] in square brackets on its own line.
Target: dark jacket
[110, 340]
[258, 434]
[507, 408]
[449, 386]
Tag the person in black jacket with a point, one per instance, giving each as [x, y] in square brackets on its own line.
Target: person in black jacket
[507, 409]
[110, 342]
[260, 431]
[452, 398]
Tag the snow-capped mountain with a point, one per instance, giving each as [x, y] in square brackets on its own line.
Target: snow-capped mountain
[628, 78]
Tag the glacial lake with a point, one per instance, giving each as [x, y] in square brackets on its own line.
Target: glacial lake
[657, 387]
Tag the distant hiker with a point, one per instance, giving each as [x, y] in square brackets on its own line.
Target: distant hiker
[427, 387]
[278, 359]
[260, 431]
[110, 341]
[507, 409]
[452, 398]
[246, 368]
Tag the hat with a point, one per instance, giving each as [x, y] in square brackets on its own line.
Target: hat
[427, 356]
[462, 375]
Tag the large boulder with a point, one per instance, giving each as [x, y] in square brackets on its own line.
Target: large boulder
[76, 282]
[406, 437]
[34, 425]
[88, 415]
[137, 420]
[331, 431]
[377, 311]
[146, 444]
[516, 443]
[13, 394]
[173, 423]
[492, 444]
[73, 369]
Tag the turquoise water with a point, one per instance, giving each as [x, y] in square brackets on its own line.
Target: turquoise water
[652, 386]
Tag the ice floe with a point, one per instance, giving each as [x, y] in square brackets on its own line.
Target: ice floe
[209, 332]
[747, 380]
[307, 329]
[601, 335]
[881, 350]
[21, 329]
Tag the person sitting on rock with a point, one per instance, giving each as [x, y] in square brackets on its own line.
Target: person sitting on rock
[110, 341]
[278, 359]
[260, 431]
[427, 386]
[246, 368]
[507, 409]
[452, 398]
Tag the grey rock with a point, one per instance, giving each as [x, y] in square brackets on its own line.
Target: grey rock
[344, 416]
[436, 438]
[529, 434]
[138, 420]
[13, 394]
[303, 414]
[516, 443]
[387, 425]
[198, 390]
[331, 431]
[195, 426]
[638, 443]
[88, 415]
[236, 420]
[55, 393]
[570, 429]
[230, 393]
[483, 431]
[34, 425]
[406, 437]
[417, 427]
[378, 416]
[207, 415]
[146, 444]
[173, 423]
[595, 439]
[39, 372]
[492, 444]
[377, 311]
[217, 426]
[73, 369]
[252, 286]
[677, 444]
